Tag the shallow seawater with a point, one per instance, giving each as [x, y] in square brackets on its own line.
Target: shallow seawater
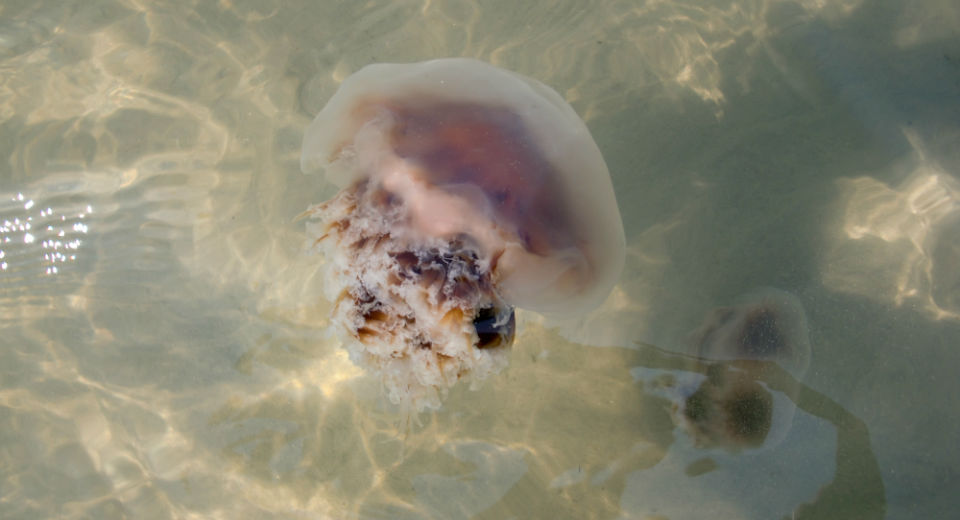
[164, 345]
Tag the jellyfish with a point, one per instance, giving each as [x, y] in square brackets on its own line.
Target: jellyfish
[465, 191]
[730, 408]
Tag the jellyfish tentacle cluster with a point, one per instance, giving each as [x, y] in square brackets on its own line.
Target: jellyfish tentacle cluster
[466, 191]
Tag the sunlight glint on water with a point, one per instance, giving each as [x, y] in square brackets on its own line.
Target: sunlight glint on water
[165, 351]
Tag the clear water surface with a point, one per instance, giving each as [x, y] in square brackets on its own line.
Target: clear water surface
[164, 349]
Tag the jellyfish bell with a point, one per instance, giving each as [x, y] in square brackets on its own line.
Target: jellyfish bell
[465, 191]
[485, 152]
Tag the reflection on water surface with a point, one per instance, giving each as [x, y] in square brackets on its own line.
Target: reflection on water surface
[164, 351]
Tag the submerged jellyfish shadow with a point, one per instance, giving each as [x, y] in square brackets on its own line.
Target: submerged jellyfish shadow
[857, 489]
[730, 409]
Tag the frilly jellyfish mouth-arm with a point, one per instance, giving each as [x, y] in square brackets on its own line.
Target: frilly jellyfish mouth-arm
[465, 191]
